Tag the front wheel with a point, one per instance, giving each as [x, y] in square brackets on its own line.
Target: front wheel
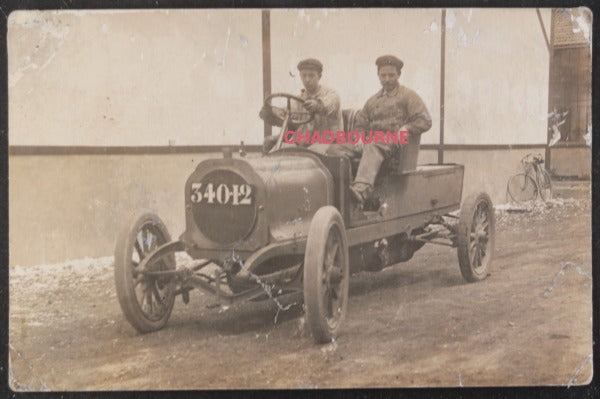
[146, 301]
[326, 274]
[476, 234]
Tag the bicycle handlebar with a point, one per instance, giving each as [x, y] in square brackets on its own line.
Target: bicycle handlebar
[537, 158]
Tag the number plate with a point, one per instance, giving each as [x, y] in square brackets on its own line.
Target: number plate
[221, 194]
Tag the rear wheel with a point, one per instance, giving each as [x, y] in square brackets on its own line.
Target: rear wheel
[476, 232]
[326, 274]
[146, 301]
[521, 188]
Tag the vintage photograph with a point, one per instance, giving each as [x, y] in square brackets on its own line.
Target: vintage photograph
[299, 198]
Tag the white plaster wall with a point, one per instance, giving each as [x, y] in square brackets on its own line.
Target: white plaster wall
[184, 77]
[497, 70]
[190, 77]
[496, 64]
[150, 77]
[46, 225]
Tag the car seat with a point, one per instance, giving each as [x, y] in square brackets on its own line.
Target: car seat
[404, 159]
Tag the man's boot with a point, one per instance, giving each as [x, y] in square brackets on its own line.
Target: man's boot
[360, 192]
[368, 169]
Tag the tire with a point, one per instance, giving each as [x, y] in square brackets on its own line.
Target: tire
[544, 184]
[476, 237]
[521, 188]
[152, 311]
[326, 274]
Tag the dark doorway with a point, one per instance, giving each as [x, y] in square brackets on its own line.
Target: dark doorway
[570, 91]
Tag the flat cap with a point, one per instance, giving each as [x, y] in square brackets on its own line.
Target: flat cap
[311, 63]
[389, 60]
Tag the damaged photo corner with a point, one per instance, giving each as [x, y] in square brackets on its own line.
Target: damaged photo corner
[270, 198]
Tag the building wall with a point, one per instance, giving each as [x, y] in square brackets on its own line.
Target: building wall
[66, 207]
[130, 78]
[69, 207]
[497, 71]
[194, 77]
[571, 161]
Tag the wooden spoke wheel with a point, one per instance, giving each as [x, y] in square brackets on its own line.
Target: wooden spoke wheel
[476, 233]
[146, 301]
[326, 274]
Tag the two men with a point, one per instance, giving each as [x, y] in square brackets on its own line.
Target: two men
[322, 101]
[393, 108]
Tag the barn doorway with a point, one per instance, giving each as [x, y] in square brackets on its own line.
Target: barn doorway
[570, 97]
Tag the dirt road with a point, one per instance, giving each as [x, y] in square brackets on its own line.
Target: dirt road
[414, 324]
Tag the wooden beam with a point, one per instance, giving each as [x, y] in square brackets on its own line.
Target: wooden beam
[66, 150]
[266, 60]
[124, 150]
[442, 85]
[537, 10]
[483, 147]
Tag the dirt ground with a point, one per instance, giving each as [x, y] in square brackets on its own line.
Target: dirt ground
[414, 324]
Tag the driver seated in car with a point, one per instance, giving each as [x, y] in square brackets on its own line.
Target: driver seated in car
[321, 101]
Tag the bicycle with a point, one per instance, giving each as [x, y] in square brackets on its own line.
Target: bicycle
[534, 181]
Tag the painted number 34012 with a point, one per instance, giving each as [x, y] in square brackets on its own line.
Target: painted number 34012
[223, 194]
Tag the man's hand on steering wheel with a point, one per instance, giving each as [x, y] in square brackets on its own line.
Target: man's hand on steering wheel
[296, 118]
[312, 105]
[288, 118]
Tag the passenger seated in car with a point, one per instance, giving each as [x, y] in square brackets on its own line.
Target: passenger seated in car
[393, 108]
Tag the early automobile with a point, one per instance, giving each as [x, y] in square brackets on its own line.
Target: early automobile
[258, 227]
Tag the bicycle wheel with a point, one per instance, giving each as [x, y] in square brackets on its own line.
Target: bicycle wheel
[521, 188]
[544, 184]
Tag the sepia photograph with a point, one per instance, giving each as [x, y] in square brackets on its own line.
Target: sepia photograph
[299, 198]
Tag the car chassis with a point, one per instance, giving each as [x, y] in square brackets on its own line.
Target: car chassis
[299, 231]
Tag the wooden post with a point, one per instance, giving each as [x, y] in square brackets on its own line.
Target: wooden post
[266, 60]
[442, 86]
[550, 87]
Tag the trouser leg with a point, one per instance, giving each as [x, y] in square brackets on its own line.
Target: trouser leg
[344, 150]
[371, 157]
[370, 163]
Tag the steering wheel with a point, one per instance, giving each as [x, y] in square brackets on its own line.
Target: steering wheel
[286, 115]
[294, 116]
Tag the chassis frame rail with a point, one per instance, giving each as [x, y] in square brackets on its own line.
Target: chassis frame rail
[191, 277]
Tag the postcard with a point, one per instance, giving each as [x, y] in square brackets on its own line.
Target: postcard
[299, 198]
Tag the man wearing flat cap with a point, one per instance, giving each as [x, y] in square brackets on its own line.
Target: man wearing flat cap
[320, 100]
[393, 108]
